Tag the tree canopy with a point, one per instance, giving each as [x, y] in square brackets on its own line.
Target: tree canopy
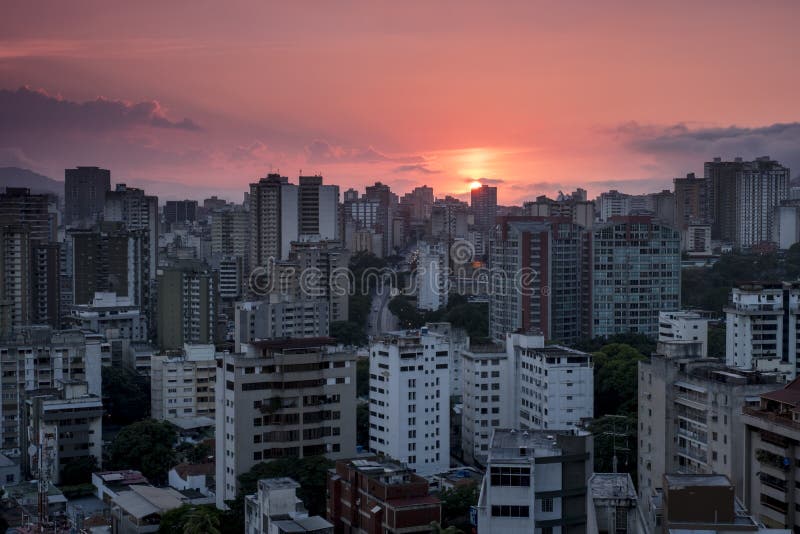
[126, 395]
[147, 446]
[310, 472]
[615, 379]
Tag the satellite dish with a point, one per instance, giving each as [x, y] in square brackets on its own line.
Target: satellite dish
[32, 450]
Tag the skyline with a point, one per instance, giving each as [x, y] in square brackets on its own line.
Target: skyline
[618, 96]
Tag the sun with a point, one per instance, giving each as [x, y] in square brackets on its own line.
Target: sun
[474, 184]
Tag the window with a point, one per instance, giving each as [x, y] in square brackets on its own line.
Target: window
[510, 511]
[547, 504]
[511, 476]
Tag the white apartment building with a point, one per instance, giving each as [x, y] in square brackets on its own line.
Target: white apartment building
[458, 342]
[112, 316]
[280, 399]
[761, 327]
[279, 317]
[276, 509]
[683, 326]
[432, 276]
[409, 399]
[554, 385]
[231, 272]
[182, 385]
[486, 404]
[536, 482]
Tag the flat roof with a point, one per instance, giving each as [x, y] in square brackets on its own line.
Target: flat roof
[611, 486]
[676, 480]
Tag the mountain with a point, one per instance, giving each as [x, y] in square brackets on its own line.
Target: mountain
[38, 183]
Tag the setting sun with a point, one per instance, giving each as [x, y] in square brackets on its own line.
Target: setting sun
[474, 184]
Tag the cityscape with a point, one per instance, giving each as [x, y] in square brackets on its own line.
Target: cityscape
[454, 317]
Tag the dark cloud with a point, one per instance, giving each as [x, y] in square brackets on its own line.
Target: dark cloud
[780, 141]
[416, 168]
[321, 151]
[28, 109]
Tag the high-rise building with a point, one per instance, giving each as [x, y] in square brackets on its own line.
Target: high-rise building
[553, 385]
[536, 481]
[230, 232]
[187, 305]
[786, 228]
[540, 278]
[322, 273]
[183, 384]
[273, 220]
[282, 399]
[575, 208]
[433, 276]
[277, 318]
[19, 206]
[180, 211]
[684, 326]
[410, 399]
[636, 273]
[318, 208]
[743, 197]
[67, 421]
[385, 212]
[689, 411]
[40, 358]
[137, 211]
[379, 496]
[231, 277]
[112, 259]
[484, 206]
[762, 321]
[691, 200]
[449, 219]
[111, 316]
[85, 191]
[771, 446]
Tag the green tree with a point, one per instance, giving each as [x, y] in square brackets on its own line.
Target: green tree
[615, 379]
[362, 377]
[362, 424]
[310, 472]
[147, 446]
[716, 341]
[190, 519]
[615, 434]
[126, 395]
[193, 453]
[77, 471]
[437, 528]
[406, 312]
[456, 504]
[201, 521]
[349, 333]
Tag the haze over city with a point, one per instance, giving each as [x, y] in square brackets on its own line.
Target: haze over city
[215, 95]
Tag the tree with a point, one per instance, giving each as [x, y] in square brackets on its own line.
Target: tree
[456, 504]
[191, 519]
[78, 470]
[193, 453]
[615, 379]
[362, 424]
[615, 436]
[348, 333]
[147, 446]
[126, 395]
[437, 528]
[310, 472]
[716, 341]
[362, 377]
[406, 312]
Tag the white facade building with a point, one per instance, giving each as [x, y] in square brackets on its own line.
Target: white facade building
[554, 385]
[112, 316]
[786, 228]
[683, 326]
[432, 277]
[183, 385]
[761, 327]
[410, 399]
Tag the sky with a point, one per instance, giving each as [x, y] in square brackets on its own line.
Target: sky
[189, 98]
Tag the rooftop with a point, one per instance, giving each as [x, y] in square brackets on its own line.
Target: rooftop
[512, 444]
[686, 480]
[612, 486]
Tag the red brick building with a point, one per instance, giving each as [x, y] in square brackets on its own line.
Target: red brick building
[376, 496]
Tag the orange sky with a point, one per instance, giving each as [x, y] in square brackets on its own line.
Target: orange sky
[532, 96]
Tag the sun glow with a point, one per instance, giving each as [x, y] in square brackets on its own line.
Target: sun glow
[474, 184]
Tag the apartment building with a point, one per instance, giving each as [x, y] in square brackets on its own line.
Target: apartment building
[280, 399]
[614, 506]
[183, 384]
[137, 211]
[276, 318]
[64, 425]
[409, 396]
[112, 316]
[276, 509]
[40, 359]
[553, 385]
[188, 302]
[683, 326]
[379, 496]
[762, 325]
[689, 416]
[536, 482]
[433, 276]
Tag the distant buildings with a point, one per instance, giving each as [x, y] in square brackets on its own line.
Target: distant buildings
[379, 496]
[433, 276]
[276, 509]
[180, 211]
[684, 326]
[187, 305]
[410, 399]
[111, 316]
[85, 191]
[280, 318]
[137, 211]
[691, 201]
[281, 399]
[536, 480]
[273, 219]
